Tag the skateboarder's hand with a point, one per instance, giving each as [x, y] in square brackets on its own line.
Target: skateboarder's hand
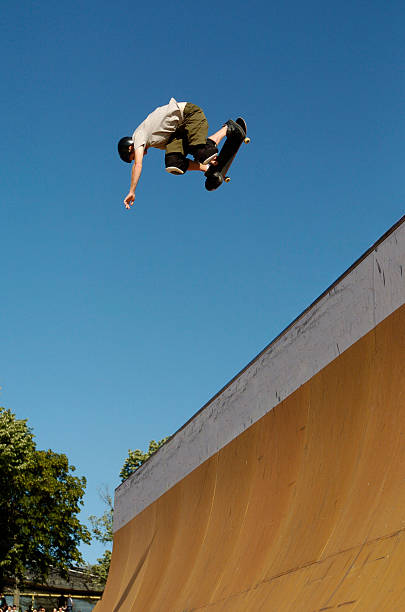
[129, 200]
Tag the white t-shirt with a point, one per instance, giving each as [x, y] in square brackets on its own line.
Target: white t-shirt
[157, 128]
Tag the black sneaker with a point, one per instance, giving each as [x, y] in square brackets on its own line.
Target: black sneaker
[233, 129]
[204, 154]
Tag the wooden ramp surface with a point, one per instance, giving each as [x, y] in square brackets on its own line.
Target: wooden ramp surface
[304, 510]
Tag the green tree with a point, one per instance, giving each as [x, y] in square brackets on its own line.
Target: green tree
[136, 458]
[101, 568]
[40, 502]
[102, 530]
[102, 527]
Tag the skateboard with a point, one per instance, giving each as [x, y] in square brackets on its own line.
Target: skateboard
[217, 174]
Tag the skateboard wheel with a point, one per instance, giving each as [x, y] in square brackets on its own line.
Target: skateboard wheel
[227, 179]
[247, 140]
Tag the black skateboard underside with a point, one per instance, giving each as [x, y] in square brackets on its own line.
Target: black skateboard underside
[216, 174]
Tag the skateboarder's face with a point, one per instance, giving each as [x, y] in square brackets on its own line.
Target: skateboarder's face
[132, 153]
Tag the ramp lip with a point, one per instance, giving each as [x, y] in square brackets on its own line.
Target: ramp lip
[149, 487]
[293, 322]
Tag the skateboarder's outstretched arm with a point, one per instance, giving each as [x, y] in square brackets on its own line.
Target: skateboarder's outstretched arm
[135, 175]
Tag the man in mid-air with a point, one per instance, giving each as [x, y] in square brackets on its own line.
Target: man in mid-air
[179, 128]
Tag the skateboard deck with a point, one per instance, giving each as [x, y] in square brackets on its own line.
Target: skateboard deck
[217, 174]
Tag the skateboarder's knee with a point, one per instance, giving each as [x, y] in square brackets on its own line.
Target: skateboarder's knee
[176, 163]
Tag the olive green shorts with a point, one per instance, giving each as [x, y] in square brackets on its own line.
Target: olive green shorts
[192, 131]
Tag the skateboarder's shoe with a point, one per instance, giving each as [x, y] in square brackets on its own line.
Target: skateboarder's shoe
[176, 163]
[211, 158]
[204, 154]
[174, 170]
[233, 129]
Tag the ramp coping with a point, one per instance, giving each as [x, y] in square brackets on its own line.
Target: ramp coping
[361, 298]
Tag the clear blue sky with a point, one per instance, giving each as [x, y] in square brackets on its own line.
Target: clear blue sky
[117, 326]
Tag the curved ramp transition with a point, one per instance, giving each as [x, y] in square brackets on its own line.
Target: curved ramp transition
[286, 492]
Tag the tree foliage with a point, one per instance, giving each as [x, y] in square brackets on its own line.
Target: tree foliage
[102, 530]
[41, 499]
[136, 458]
[101, 568]
[102, 527]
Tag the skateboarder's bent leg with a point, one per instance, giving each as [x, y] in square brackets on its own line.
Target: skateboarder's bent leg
[176, 161]
[195, 126]
[178, 164]
[190, 137]
[218, 136]
[229, 129]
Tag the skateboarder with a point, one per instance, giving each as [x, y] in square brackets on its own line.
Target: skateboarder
[179, 128]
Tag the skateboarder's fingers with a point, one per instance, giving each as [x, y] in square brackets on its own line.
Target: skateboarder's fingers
[129, 200]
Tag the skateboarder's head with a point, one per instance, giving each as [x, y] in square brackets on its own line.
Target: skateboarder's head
[126, 149]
